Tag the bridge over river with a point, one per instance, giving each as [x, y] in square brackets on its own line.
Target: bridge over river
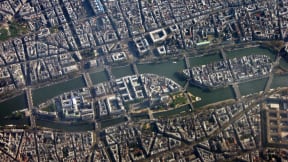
[30, 107]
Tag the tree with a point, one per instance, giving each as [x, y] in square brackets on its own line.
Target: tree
[3, 34]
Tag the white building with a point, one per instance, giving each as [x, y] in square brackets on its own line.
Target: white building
[114, 105]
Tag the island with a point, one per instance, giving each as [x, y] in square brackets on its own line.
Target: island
[143, 80]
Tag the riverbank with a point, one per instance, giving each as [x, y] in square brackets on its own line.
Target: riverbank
[14, 95]
[71, 127]
[215, 104]
[172, 112]
[160, 60]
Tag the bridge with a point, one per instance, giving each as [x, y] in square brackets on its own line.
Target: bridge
[187, 62]
[30, 107]
[271, 75]
[223, 53]
[236, 90]
[186, 85]
[186, 94]
[269, 82]
[150, 113]
[189, 100]
[87, 80]
[135, 69]
[109, 72]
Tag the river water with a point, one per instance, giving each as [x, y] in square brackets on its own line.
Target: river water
[167, 69]
[196, 61]
[208, 97]
[252, 86]
[119, 72]
[43, 94]
[280, 81]
[9, 106]
[98, 77]
[250, 51]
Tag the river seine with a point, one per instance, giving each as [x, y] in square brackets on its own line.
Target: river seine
[167, 69]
